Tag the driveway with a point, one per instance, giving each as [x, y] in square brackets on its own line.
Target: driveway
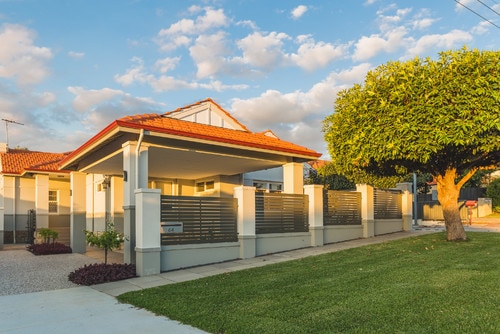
[37, 297]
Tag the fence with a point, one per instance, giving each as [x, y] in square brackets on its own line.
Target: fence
[281, 213]
[341, 208]
[387, 204]
[192, 220]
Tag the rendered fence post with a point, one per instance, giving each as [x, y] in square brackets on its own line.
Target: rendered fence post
[406, 205]
[316, 228]
[147, 232]
[367, 209]
[246, 220]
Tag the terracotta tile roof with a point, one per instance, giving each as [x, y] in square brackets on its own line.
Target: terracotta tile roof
[182, 128]
[316, 164]
[19, 162]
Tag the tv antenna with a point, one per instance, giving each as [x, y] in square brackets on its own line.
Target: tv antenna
[7, 121]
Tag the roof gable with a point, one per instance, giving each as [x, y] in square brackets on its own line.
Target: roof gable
[206, 112]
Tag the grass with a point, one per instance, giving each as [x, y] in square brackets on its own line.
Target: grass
[416, 285]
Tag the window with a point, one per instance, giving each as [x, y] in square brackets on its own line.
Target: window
[205, 186]
[53, 201]
[268, 187]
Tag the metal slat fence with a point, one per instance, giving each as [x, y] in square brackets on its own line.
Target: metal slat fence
[387, 204]
[341, 208]
[281, 213]
[198, 219]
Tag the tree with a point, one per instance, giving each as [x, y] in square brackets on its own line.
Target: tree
[429, 116]
[329, 178]
[108, 239]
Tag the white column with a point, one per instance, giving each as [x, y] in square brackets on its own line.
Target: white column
[367, 209]
[246, 220]
[78, 214]
[148, 239]
[315, 194]
[406, 205]
[42, 200]
[129, 179]
[293, 178]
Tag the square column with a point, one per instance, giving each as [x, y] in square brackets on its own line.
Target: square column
[406, 205]
[78, 214]
[42, 201]
[367, 209]
[315, 193]
[246, 220]
[293, 178]
[148, 238]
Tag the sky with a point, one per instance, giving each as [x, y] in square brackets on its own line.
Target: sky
[68, 68]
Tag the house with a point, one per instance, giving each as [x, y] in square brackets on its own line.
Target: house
[197, 150]
[32, 181]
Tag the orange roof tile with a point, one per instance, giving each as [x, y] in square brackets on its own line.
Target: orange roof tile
[213, 133]
[21, 161]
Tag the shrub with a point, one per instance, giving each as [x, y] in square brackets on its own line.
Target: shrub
[493, 191]
[102, 273]
[48, 249]
[47, 234]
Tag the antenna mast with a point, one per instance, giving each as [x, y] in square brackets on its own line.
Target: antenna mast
[7, 121]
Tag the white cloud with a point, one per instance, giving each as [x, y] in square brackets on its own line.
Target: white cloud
[263, 51]
[167, 64]
[20, 59]
[85, 100]
[102, 106]
[296, 116]
[209, 52]
[76, 55]
[439, 41]
[178, 33]
[369, 47]
[312, 55]
[298, 11]
[467, 3]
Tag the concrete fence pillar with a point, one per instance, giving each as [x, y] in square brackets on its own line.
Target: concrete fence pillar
[246, 220]
[406, 205]
[147, 232]
[2, 212]
[367, 209]
[315, 194]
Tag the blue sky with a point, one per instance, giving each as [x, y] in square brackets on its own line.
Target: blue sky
[70, 67]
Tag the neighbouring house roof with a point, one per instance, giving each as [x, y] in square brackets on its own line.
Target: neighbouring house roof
[316, 164]
[19, 162]
[166, 126]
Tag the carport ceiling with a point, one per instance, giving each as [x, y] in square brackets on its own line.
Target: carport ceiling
[186, 164]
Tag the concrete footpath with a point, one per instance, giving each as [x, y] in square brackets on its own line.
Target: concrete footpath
[94, 309]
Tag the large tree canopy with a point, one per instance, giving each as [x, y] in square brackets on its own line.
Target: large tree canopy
[432, 116]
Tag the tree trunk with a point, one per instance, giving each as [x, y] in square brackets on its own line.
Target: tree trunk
[448, 193]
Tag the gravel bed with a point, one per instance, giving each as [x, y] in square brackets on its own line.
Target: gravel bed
[23, 272]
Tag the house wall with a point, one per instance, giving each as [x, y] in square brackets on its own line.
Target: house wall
[19, 196]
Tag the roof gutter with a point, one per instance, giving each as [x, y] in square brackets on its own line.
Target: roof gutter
[137, 152]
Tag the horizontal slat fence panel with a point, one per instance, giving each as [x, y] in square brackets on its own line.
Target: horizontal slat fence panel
[204, 219]
[341, 207]
[281, 213]
[387, 204]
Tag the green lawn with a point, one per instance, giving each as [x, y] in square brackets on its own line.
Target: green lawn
[416, 285]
